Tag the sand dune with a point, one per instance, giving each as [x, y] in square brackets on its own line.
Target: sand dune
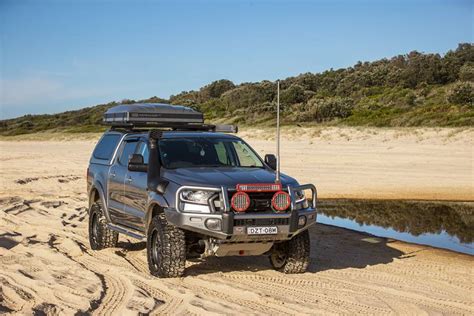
[46, 264]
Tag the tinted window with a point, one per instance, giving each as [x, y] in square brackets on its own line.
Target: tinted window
[106, 147]
[205, 152]
[127, 152]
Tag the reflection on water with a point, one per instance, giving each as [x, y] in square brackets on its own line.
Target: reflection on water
[441, 224]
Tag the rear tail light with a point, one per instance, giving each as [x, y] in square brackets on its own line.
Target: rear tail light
[281, 201]
[240, 201]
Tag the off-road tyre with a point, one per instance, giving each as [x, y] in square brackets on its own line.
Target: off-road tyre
[292, 256]
[166, 248]
[100, 236]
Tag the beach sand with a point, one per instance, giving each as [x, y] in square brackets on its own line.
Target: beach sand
[46, 264]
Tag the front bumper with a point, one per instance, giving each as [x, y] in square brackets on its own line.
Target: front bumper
[233, 226]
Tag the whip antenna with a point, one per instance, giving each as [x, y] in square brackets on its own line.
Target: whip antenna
[277, 180]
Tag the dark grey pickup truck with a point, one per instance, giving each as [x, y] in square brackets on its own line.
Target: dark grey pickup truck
[161, 175]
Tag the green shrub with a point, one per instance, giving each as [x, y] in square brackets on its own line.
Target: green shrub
[415, 89]
[466, 73]
[330, 108]
[462, 93]
[294, 94]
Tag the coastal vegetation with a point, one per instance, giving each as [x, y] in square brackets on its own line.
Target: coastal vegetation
[416, 89]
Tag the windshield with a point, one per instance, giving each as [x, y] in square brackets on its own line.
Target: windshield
[207, 152]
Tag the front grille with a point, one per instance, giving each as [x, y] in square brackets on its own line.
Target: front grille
[261, 221]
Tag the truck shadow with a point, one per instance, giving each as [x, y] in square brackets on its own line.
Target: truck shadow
[339, 248]
[331, 248]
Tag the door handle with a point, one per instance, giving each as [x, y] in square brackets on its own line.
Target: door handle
[129, 179]
[112, 174]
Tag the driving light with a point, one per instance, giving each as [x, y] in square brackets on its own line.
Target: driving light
[281, 201]
[240, 201]
[198, 197]
[259, 187]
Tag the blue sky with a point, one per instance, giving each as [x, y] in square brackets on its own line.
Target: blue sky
[63, 55]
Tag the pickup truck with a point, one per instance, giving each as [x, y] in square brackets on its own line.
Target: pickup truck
[192, 191]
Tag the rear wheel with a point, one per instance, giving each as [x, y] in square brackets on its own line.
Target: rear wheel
[292, 256]
[166, 248]
[100, 236]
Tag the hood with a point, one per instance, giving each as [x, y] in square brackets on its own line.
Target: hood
[228, 177]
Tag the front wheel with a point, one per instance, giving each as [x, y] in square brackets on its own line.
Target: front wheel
[292, 256]
[166, 248]
[100, 236]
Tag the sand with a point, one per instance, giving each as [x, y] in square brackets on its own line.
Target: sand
[432, 164]
[46, 264]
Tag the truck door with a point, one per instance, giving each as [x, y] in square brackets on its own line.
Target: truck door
[117, 174]
[135, 192]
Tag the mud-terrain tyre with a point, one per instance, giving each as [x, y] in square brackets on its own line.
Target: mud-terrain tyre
[166, 248]
[100, 236]
[292, 256]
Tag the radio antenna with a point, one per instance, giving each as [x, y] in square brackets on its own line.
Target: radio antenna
[277, 180]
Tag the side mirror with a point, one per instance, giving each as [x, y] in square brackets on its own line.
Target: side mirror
[135, 163]
[271, 161]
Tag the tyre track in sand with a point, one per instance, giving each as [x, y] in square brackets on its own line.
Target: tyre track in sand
[18, 296]
[224, 293]
[113, 290]
[313, 289]
[121, 281]
[298, 292]
[38, 202]
[117, 287]
[398, 277]
[170, 304]
[264, 298]
[94, 304]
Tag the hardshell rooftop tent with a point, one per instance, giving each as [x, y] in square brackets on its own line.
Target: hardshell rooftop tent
[150, 114]
[159, 115]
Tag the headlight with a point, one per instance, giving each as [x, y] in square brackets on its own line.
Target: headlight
[198, 197]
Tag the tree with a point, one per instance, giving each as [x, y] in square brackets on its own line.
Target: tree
[216, 89]
[294, 94]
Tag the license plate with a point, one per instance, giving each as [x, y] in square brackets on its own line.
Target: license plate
[268, 230]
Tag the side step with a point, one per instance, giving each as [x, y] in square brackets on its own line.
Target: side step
[126, 231]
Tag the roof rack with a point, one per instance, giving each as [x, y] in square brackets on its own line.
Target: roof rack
[184, 127]
[141, 116]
